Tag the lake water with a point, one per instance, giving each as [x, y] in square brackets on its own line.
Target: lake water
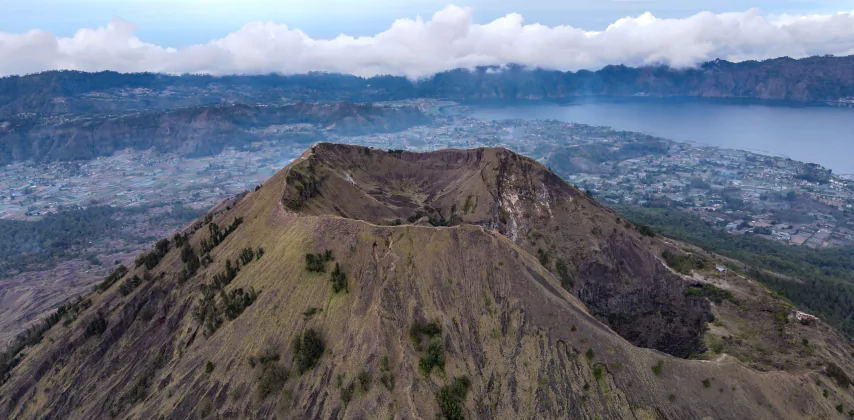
[822, 135]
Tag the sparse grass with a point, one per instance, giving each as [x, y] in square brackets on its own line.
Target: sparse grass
[598, 371]
[204, 408]
[658, 368]
[365, 380]
[346, 393]
[566, 279]
[310, 312]
[544, 257]
[235, 393]
[837, 374]
[710, 291]
[386, 376]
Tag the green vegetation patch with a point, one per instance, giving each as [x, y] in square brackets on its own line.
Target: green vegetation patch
[598, 371]
[12, 355]
[386, 376]
[434, 356]
[658, 368]
[316, 263]
[346, 392]
[710, 291]
[837, 374]
[247, 255]
[270, 373]
[210, 311]
[308, 348]
[338, 279]
[190, 260]
[111, 279]
[451, 398]
[682, 263]
[96, 326]
[218, 235]
[566, 279]
[310, 312]
[151, 259]
[129, 285]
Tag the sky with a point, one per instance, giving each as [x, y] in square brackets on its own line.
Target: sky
[413, 38]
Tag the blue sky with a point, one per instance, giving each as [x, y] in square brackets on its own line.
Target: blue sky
[371, 37]
[179, 23]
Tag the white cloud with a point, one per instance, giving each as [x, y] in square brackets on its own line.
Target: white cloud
[448, 40]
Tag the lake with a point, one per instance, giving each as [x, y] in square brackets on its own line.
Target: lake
[822, 135]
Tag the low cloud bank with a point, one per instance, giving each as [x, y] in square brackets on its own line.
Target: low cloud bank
[449, 40]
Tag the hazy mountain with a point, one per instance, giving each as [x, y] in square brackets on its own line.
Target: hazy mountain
[813, 79]
[359, 283]
[191, 131]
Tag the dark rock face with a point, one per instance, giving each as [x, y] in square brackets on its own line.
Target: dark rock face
[641, 300]
[612, 271]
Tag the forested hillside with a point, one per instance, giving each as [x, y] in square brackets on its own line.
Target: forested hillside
[821, 281]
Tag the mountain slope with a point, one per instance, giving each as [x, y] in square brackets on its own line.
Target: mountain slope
[171, 346]
[580, 241]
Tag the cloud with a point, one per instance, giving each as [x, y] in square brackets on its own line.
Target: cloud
[450, 39]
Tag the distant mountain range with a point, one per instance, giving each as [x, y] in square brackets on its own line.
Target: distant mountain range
[69, 115]
[808, 80]
[194, 131]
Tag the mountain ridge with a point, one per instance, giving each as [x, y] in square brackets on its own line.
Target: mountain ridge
[806, 80]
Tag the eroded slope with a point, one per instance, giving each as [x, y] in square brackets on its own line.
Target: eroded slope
[599, 258]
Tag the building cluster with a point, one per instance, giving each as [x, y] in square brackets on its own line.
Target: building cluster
[131, 178]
